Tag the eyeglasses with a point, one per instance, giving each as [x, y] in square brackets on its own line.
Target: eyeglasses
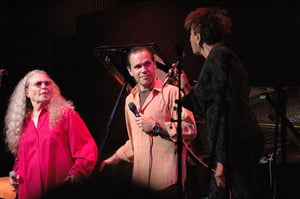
[40, 83]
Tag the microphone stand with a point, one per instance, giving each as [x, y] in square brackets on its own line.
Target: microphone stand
[282, 122]
[179, 128]
[107, 129]
[279, 170]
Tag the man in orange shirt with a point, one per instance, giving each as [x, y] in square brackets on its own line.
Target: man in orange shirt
[151, 146]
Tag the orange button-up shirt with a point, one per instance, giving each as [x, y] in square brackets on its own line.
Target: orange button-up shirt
[155, 158]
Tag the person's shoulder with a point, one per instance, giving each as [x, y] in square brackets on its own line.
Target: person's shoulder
[130, 96]
[223, 52]
[222, 49]
[171, 89]
[134, 91]
[66, 110]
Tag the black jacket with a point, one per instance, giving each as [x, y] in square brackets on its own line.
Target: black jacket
[221, 96]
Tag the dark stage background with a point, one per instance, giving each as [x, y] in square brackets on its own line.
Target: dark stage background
[60, 36]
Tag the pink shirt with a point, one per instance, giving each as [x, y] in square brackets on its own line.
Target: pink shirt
[46, 156]
[155, 158]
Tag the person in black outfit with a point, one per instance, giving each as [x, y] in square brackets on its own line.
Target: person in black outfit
[235, 141]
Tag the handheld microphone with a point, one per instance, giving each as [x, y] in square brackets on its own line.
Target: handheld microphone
[13, 175]
[133, 108]
[14, 181]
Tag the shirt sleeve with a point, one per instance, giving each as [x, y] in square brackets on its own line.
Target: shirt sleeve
[16, 165]
[82, 144]
[125, 152]
[191, 102]
[189, 130]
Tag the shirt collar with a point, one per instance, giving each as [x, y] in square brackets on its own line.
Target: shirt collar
[157, 87]
[46, 108]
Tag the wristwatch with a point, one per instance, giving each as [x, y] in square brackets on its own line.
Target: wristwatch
[155, 128]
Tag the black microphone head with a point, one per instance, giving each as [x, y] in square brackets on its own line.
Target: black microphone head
[132, 106]
[181, 55]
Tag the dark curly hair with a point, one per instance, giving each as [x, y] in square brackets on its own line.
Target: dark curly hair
[213, 24]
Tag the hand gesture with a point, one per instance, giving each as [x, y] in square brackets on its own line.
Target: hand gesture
[114, 159]
[72, 179]
[14, 179]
